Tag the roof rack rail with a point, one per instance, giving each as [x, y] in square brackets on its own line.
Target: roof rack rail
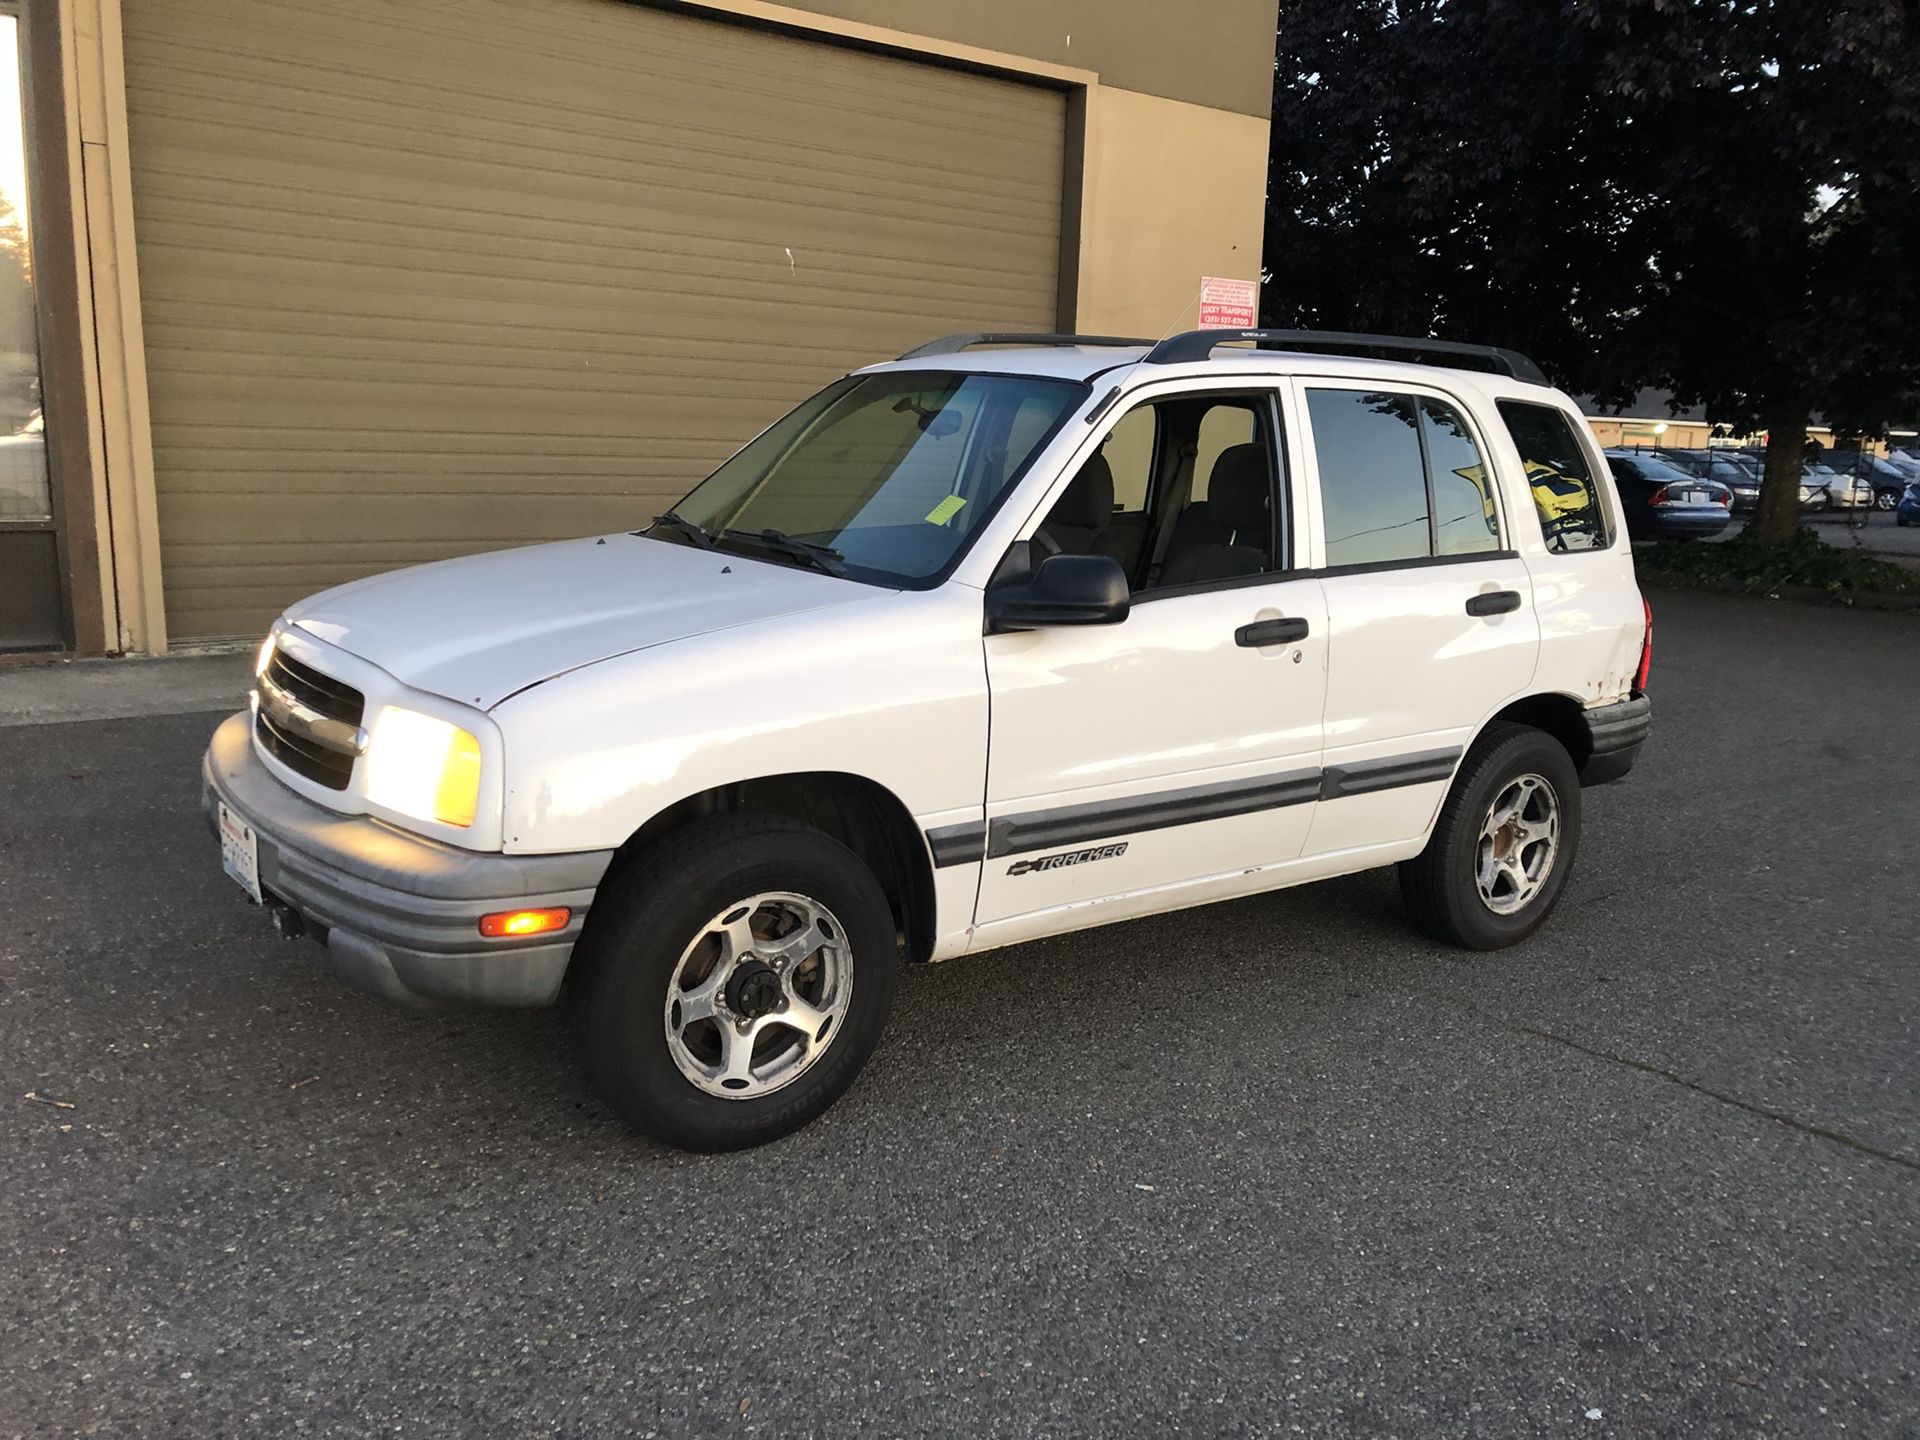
[1199, 345]
[953, 344]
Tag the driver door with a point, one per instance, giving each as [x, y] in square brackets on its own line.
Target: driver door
[1142, 765]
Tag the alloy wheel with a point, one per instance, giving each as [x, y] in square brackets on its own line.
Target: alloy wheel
[758, 996]
[1518, 842]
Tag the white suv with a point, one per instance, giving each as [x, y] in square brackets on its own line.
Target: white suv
[1011, 636]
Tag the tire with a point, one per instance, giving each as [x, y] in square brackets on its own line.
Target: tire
[1885, 500]
[681, 915]
[1441, 885]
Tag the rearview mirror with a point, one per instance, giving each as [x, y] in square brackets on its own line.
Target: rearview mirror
[1065, 590]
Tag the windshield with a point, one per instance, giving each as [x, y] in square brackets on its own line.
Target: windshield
[886, 476]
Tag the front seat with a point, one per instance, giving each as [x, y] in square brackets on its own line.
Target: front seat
[1230, 532]
[1079, 520]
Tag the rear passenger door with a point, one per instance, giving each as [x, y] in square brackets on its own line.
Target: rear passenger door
[1430, 615]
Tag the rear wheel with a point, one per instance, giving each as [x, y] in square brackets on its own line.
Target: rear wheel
[732, 983]
[1504, 845]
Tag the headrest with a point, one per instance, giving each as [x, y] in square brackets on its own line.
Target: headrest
[1237, 490]
[1088, 498]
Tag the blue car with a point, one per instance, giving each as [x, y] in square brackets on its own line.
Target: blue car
[1907, 512]
[1664, 502]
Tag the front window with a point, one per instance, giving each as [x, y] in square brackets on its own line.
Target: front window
[884, 478]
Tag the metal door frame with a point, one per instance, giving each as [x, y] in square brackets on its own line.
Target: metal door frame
[34, 228]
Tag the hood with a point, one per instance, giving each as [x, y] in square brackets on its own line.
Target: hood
[484, 627]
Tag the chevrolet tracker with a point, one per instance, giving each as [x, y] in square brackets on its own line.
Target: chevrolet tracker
[1008, 637]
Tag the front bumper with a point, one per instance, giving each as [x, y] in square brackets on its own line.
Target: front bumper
[398, 914]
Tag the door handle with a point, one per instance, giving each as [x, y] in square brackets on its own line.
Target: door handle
[1271, 632]
[1496, 602]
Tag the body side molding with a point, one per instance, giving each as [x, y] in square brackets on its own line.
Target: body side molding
[968, 843]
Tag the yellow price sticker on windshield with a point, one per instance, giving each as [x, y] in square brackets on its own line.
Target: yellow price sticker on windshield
[945, 510]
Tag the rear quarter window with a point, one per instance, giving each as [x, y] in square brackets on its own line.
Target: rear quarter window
[1566, 499]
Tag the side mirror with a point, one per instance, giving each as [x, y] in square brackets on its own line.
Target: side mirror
[1065, 590]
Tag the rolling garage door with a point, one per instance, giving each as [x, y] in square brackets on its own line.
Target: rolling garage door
[423, 279]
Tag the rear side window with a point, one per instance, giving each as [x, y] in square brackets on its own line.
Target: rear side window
[1373, 487]
[1400, 479]
[1564, 493]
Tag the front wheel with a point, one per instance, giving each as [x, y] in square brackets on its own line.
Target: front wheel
[731, 983]
[1885, 500]
[1504, 845]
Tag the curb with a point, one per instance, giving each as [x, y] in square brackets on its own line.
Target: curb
[1805, 594]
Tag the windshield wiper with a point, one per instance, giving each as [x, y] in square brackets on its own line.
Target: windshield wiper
[823, 558]
[682, 526]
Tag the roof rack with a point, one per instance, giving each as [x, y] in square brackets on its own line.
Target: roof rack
[953, 344]
[1199, 345]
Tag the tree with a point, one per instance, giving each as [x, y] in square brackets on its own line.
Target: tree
[1718, 200]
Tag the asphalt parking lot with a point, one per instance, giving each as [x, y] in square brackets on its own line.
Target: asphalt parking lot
[1278, 1166]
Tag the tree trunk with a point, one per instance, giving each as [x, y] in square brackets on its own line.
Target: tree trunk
[1778, 517]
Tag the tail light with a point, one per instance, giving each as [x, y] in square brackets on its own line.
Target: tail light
[1725, 497]
[1646, 649]
[1658, 497]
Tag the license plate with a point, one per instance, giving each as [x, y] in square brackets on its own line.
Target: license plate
[240, 852]
[1691, 497]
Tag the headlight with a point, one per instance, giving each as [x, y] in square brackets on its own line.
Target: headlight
[423, 767]
[264, 658]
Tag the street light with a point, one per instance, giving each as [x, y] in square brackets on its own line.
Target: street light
[1659, 430]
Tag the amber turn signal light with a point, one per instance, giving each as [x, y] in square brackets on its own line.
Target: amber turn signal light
[508, 924]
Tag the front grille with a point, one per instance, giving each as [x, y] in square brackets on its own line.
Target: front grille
[321, 692]
[308, 721]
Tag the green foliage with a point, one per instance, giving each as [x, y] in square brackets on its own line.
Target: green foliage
[1717, 199]
[1806, 560]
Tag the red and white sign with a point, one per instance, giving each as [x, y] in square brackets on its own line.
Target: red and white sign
[1228, 304]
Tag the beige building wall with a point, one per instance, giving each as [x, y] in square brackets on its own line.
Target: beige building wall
[1170, 192]
[1165, 183]
[1655, 432]
[1214, 53]
[121, 510]
[1631, 431]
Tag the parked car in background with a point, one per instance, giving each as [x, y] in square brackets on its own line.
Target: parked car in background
[1842, 489]
[1741, 471]
[1721, 466]
[1664, 502]
[1907, 511]
[1888, 476]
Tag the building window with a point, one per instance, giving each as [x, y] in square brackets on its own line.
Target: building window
[25, 496]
